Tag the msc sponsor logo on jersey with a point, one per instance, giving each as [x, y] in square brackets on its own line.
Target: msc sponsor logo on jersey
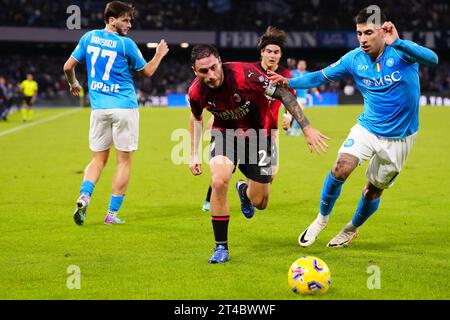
[367, 82]
[385, 80]
[103, 87]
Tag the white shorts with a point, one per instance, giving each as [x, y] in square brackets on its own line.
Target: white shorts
[114, 126]
[387, 156]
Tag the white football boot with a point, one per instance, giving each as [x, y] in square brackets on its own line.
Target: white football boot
[308, 236]
[344, 237]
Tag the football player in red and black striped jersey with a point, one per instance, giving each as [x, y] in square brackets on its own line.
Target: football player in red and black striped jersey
[270, 46]
[236, 94]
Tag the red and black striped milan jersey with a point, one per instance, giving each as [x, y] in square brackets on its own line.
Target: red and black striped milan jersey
[241, 102]
[275, 103]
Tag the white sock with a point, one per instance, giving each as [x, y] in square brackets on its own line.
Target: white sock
[322, 218]
[349, 227]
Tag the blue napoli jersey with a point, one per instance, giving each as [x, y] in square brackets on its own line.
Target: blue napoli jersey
[301, 93]
[390, 87]
[110, 62]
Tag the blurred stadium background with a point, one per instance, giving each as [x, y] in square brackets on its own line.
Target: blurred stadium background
[34, 38]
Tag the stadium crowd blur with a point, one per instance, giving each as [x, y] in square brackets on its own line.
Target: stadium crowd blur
[175, 75]
[308, 15]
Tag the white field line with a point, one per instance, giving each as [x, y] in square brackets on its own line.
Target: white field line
[32, 124]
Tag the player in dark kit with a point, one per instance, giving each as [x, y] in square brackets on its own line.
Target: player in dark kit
[235, 93]
[270, 46]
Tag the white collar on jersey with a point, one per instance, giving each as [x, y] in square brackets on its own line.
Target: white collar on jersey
[110, 31]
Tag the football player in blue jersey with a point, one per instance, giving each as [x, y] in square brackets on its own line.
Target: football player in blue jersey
[301, 71]
[110, 58]
[386, 71]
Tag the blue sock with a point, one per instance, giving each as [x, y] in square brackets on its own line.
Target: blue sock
[87, 187]
[365, 210]
[115, 203]
[330, 192]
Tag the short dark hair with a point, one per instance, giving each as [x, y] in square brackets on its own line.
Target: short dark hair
[201, 51]
[117, 9]
[365, 14]
[274, 36]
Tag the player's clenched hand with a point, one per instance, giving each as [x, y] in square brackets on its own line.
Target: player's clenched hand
[390, 32]
[162, 49]
[278, 79]
[315, 140]
[75, 89]
[287, 119]
[195, 166]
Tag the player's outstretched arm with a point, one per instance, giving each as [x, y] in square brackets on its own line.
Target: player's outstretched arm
[69, 71]
[195, 129]
[311, 80]
[161, 51]
[413, 51]
[314, 139]
[418, 53]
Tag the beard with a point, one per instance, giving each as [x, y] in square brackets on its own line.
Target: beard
[121, 31]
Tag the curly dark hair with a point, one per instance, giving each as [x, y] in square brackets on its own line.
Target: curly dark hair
[274, 36]
[201, 51]
[117, 9]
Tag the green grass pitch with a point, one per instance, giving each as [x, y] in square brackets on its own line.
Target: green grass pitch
[162, 251]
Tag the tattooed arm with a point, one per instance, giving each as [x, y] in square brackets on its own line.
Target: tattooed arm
[314, 139]
[291, 104]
